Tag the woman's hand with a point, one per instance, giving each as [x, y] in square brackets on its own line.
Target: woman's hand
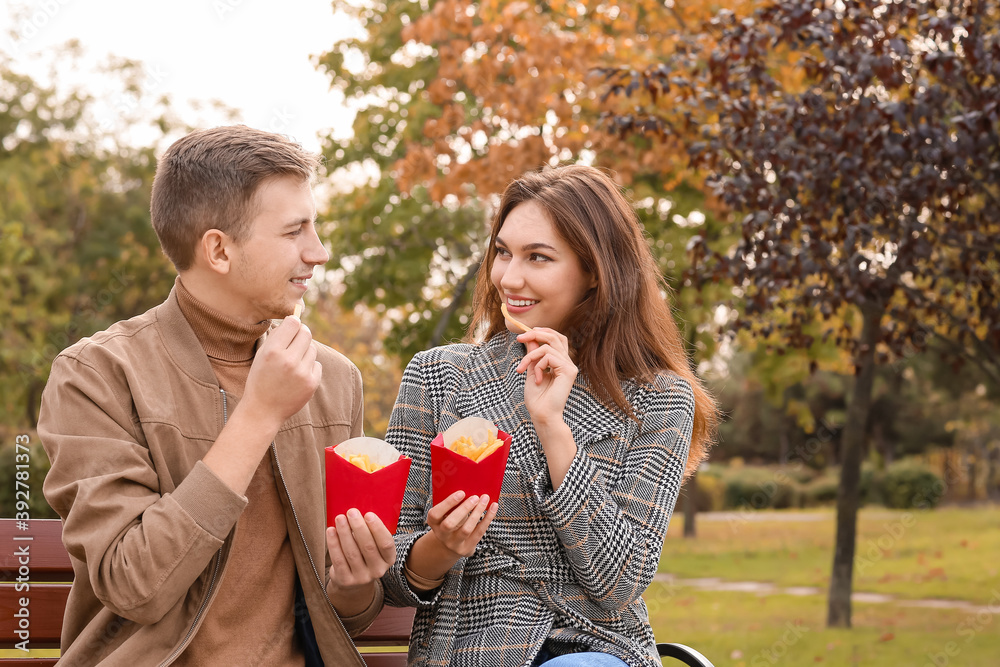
[550, 375]
[459, 523]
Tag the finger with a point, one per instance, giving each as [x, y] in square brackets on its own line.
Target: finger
[301, 345]
[363, 539]
[383, 538]
[532, 357]
[476, 515]
[460, 514]
[338, 563]
[540, 371]
[282, 335]
[352, 556]
[443, 508]
[542, 336]
[485, 523]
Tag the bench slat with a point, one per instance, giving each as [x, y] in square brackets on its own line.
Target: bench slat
[46, 605]
[48, 558]
[392, 627]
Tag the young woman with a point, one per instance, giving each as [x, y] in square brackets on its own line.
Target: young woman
[606, 418]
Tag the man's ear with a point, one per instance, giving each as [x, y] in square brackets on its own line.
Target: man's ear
[215, 250]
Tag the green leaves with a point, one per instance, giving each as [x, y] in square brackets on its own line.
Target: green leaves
[77, 252]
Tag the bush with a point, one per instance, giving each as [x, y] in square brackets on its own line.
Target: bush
[760, 488]
[709, 497]
[908, 485]
[822, 490]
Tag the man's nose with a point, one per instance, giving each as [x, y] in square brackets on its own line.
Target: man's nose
[316, 253]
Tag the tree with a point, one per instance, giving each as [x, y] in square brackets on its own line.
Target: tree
[77, 251]
[867, 191]
[455, 98]
[357, 334]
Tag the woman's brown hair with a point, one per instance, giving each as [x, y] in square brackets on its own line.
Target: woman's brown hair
[624, 328]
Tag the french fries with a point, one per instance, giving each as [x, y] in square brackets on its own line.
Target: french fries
[477, 452]
[362, 461]
[506, 313]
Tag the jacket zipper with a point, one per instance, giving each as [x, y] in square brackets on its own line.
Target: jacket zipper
[215, 572]
[295, 515]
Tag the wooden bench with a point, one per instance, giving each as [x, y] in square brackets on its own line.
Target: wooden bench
[384, 644]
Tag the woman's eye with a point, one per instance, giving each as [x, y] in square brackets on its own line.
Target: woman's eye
[502, 252]
[535, 257]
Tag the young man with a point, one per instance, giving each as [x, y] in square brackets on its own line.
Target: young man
[187, 443]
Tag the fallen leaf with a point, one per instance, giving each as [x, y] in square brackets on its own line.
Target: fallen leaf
[888, 636]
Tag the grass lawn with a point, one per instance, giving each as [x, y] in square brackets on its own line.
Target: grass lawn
[950, 553]
[746, 630]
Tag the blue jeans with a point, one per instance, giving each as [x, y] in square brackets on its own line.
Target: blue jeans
[584, 660]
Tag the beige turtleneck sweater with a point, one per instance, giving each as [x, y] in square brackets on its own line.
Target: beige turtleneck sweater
[251, 620]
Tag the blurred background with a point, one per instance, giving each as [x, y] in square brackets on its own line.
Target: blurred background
[819, 182]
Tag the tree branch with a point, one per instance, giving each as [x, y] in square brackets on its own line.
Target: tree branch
[456, 299]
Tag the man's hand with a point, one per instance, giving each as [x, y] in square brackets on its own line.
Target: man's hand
[283, 377]
[361, 551]
[284, 374]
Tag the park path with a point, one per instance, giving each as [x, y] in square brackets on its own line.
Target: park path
[767, 588]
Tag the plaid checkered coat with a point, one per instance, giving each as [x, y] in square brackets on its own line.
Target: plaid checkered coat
[570, 564]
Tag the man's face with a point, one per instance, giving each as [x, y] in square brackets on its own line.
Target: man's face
[272, 267]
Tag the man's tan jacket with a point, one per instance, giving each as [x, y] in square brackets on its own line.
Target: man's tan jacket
[126, 417]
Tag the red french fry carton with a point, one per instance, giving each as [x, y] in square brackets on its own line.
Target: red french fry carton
[348, 485]
[451, 471]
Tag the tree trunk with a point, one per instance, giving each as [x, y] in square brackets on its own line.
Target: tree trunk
[437, 336]
[34, 392]
[851, 450]
[691, 505]
[992, 487]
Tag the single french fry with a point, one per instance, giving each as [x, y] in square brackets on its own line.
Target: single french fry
[506, 313]
[497, 444]
[298, 309]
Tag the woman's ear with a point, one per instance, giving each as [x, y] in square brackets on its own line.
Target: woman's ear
[215, 250]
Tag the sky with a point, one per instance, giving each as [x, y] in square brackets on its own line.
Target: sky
[255, 56]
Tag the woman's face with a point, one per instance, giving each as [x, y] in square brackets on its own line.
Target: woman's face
[535, 272]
